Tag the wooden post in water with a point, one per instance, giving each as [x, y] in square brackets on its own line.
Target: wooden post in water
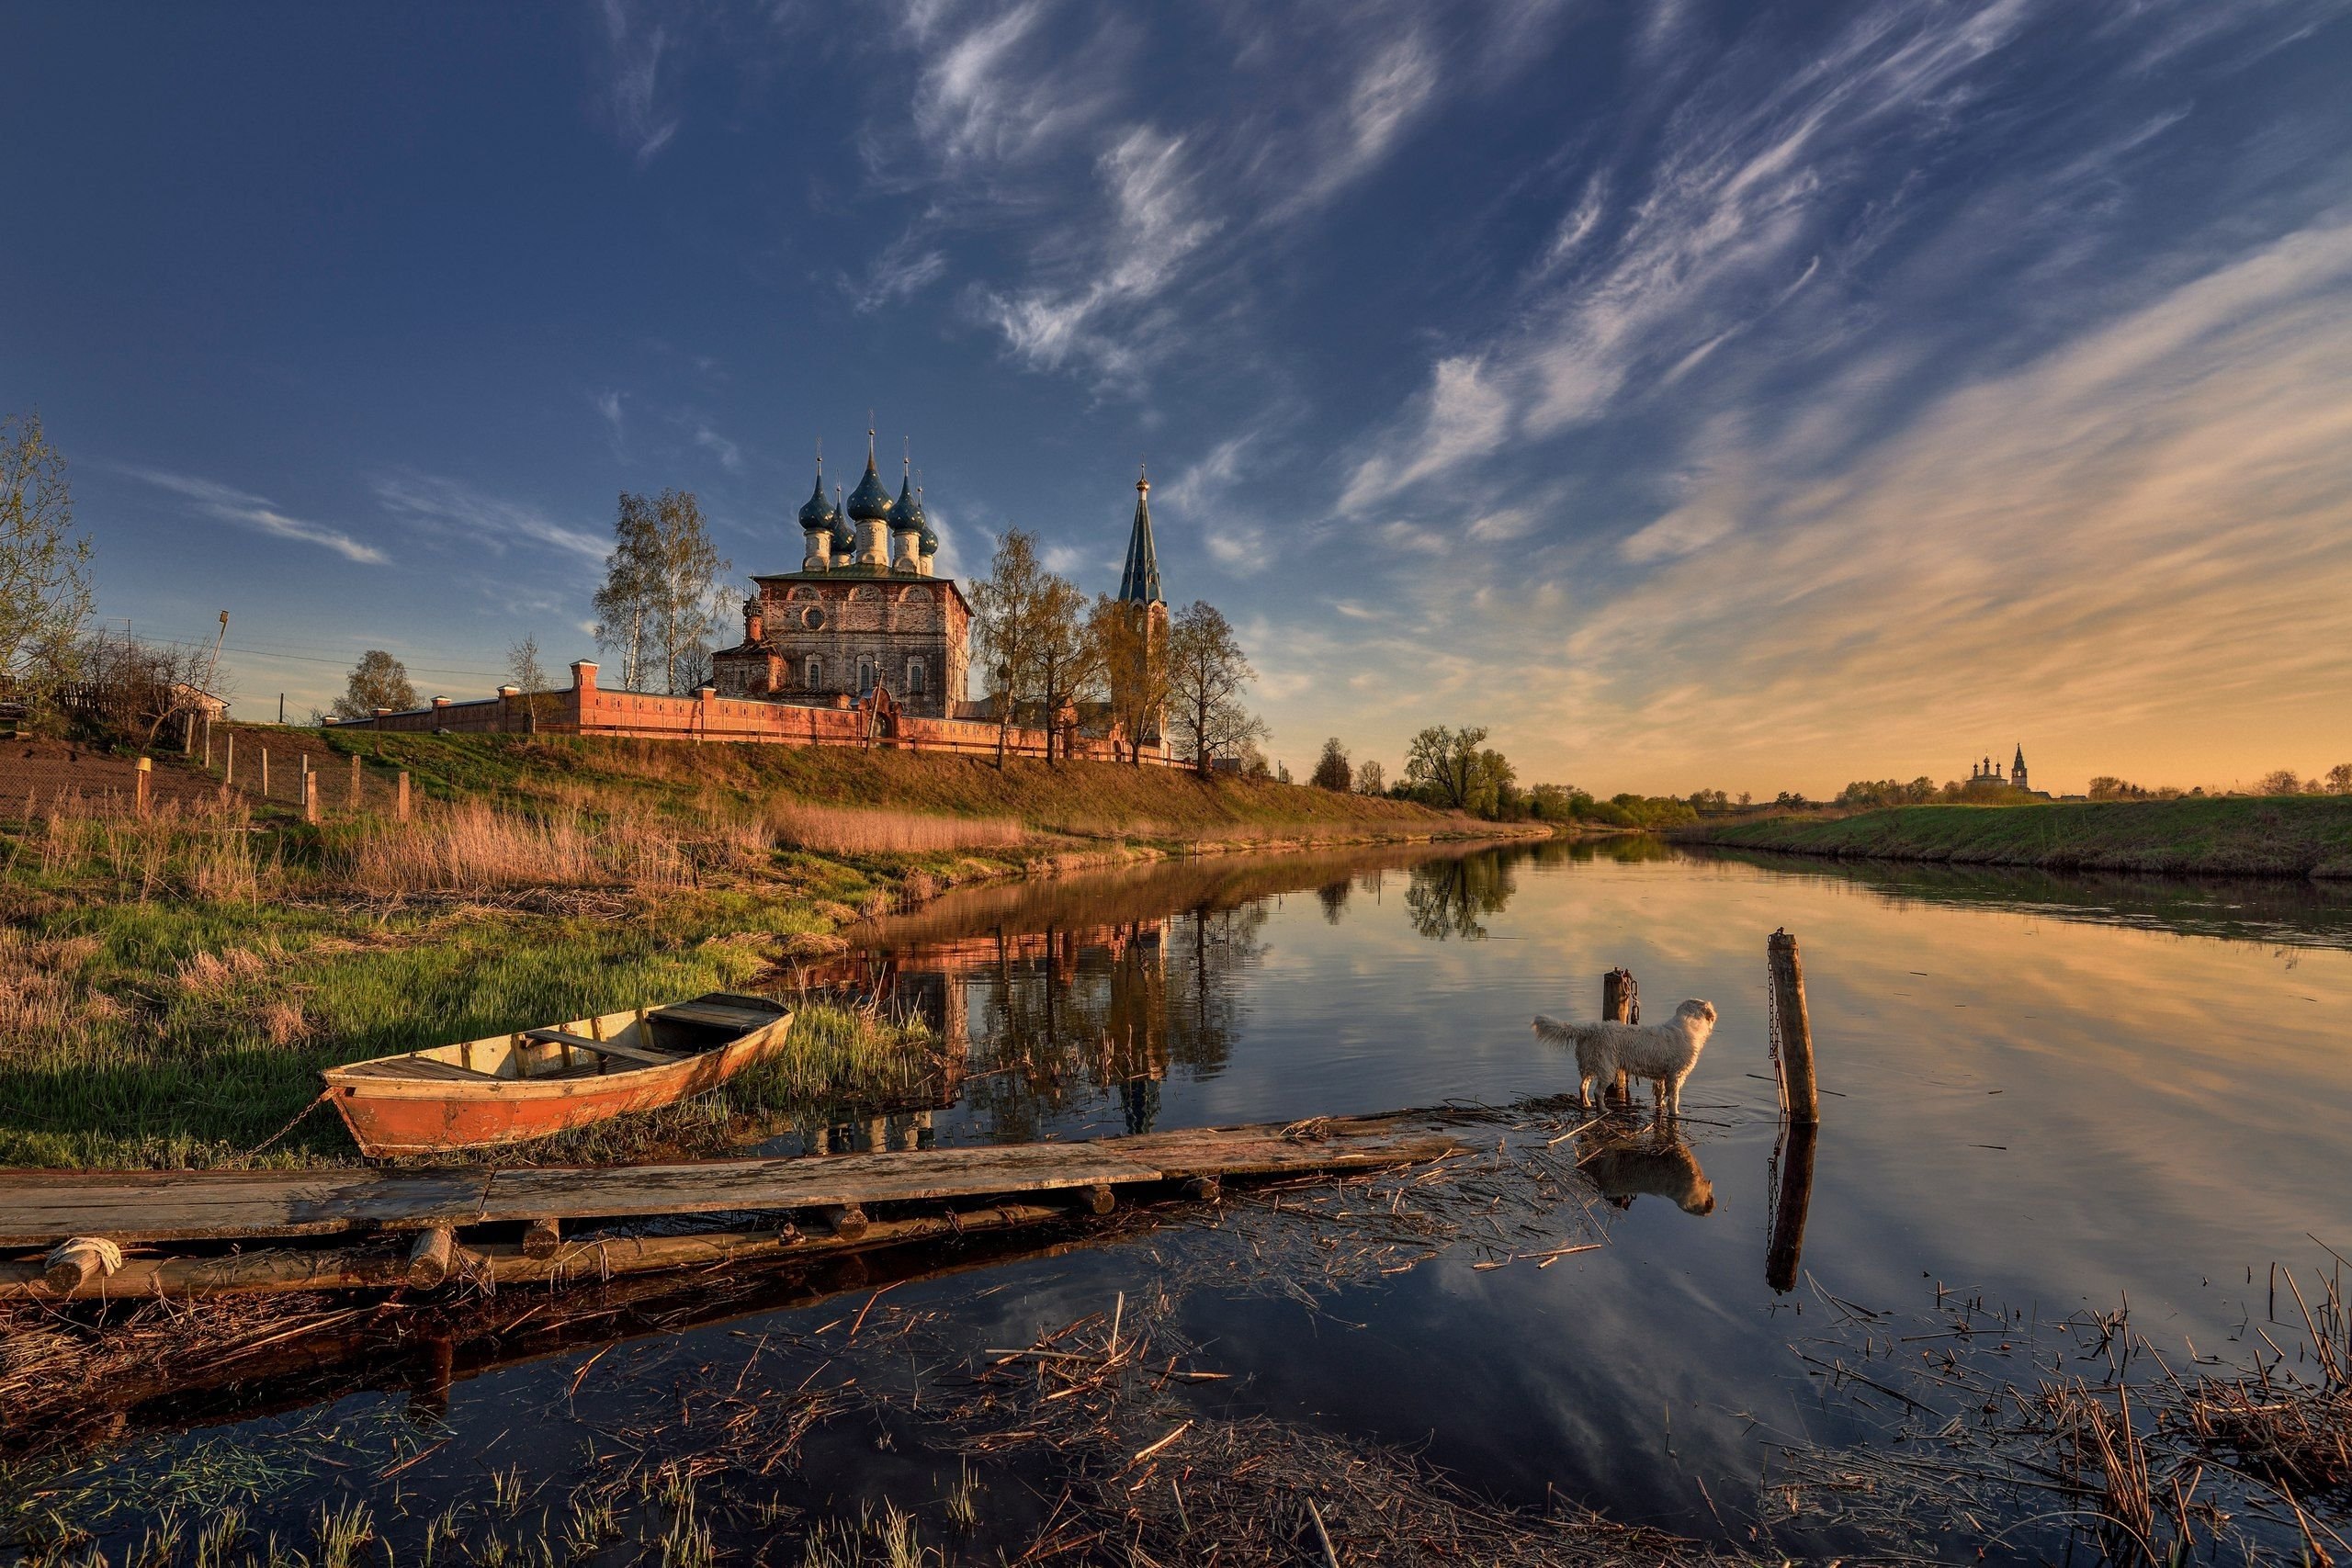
[400, 799]
[145, 775]
[1620, 1002]
[1795, 1029]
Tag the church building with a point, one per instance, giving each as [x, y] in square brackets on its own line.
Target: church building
[1987, 775]
[865, 620]
[864, 612]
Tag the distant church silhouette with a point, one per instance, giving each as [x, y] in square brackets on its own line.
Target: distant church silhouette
[1987, 774]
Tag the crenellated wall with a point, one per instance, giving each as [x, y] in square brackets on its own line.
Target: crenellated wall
[589, 709]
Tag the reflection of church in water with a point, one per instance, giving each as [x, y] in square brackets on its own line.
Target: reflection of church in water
[1079, 1022]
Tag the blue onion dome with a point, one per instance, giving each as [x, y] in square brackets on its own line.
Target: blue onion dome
[870, 502]
[930, 539]
[845, 536]
[905, 512]
[817, 512]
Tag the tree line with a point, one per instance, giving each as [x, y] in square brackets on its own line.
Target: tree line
[1451, 767]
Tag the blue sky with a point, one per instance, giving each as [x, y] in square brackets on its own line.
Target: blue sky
[1746, 395]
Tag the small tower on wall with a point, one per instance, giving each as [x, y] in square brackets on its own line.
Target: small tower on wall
[1139, 595]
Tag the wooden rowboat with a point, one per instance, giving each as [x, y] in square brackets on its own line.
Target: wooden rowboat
[511, 1087]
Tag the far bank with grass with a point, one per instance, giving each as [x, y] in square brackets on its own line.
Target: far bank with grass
[171, 984]
[2227, 836]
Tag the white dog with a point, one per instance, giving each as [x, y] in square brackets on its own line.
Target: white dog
[1662, 1052]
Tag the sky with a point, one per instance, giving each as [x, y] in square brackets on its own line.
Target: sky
[1745, 395]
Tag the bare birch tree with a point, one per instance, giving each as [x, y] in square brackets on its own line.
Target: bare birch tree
[1006, 611]
[44, 565]
[659, 605]
[1207, 671]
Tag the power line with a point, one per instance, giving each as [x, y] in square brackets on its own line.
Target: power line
[319, 658]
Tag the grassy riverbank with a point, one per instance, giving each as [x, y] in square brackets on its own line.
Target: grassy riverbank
[170, 987]
[2280, 836]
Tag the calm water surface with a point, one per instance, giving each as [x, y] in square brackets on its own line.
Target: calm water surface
[2059, 1091]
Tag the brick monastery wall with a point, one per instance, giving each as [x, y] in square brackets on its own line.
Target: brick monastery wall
[589, 709]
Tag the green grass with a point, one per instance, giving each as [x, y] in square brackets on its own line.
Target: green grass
[2276, 836]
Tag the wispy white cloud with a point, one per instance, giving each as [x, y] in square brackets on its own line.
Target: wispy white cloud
[608, 404]
[906, 267]
[729, 456]
[633, 97]
[258, 512]
[1154, 225]
[456, 510]
[1463, 415]
[2143, 537]
[1177, 200]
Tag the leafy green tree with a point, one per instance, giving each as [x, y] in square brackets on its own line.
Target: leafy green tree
[1454, 768]
[44, 564]
[377, 681]
[1331, 770]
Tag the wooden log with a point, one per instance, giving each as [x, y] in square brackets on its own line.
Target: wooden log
[264, 772]
[541, 1237]
[1620, 1002]
[1797, 1028]
[1098, 1199]
[277, 1270]
[429, 1261]
[846, 1221]
[399, 798]
[1205, 1190]
[229, 759]
[309, 793]
[78, 1262]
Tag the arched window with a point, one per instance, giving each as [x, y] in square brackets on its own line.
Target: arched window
[816, 672]
[915, 676]
[865, 676]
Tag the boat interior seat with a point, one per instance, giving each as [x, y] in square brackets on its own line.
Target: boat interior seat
[641, 1057]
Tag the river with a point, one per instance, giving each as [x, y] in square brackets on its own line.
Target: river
[2048, 1093]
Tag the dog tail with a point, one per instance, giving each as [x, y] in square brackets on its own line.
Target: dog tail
[1552, 1028]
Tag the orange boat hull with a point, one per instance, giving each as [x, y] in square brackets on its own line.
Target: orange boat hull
[395, 1116]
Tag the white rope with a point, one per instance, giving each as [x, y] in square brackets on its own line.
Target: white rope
[109, 1254]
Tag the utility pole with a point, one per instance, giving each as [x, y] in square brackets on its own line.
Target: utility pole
[281, 707]
[213, 669]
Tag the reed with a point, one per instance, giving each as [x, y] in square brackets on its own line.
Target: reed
[839, 830]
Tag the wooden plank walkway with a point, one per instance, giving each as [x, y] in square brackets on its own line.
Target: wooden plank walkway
[41, 1208]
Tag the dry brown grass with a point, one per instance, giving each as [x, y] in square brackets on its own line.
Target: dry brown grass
[839, 830]
[470, 849]
[39, 988]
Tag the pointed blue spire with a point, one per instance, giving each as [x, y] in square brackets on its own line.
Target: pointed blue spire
[1139, 584]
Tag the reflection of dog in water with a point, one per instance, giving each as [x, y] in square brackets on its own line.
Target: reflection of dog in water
[1660, 1165]
[1662, 1052]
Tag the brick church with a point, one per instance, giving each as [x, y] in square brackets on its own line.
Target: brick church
[867, 615]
